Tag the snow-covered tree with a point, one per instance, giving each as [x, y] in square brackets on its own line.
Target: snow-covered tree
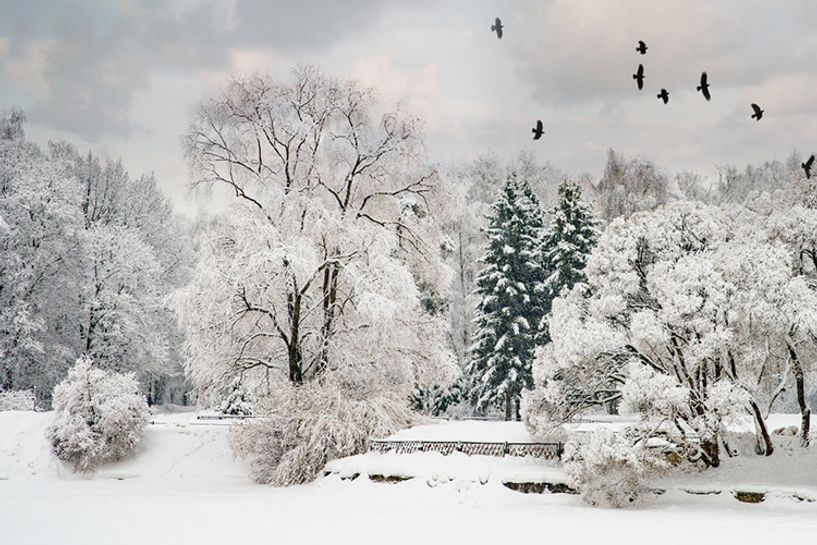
[629, 185]
[87, 257]
[690, 306]
[321, 273]
[99, 416]
[570, 237]
[511, 291]
[41, 259]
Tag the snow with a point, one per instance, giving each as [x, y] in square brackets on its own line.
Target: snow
[336, 511]
[174, 447]
[466, 430]
[183, 486]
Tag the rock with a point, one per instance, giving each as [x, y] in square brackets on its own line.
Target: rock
[749, 497]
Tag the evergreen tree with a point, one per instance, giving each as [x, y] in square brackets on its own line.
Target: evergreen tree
[571, 235]
[510, 287]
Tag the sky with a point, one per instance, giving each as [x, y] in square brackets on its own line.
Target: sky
[123, 77]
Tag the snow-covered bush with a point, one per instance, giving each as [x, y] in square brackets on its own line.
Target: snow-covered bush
[17, 400]
[238, 401]
[612, 469]
[301, 428]
[99, 416]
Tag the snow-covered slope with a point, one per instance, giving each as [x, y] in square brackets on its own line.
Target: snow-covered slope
[25, 451]
[175, 446]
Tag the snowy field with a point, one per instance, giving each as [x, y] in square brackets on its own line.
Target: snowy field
[185, 487]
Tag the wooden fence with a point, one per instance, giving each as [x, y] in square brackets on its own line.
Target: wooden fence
[547, 451]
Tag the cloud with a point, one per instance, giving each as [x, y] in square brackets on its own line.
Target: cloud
[85, 60]
[578, 50]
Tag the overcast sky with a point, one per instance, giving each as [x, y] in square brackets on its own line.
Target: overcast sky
[122, 77]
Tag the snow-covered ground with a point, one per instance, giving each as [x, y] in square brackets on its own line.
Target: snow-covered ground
[184, 486]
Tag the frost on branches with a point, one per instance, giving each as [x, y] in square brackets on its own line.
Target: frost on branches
[314, 288]
[305, 427]
[511, 292]
[612, 468]
[99, 416]
[691, 316]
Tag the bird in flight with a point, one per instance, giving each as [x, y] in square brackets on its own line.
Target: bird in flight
[758, 112]
[807, 166]
[642, 47]
[663, 95]
[497, 27]
[704, 87]
[538, 131]
[639, 76]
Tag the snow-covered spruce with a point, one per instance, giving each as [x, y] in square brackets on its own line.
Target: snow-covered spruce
[511, 291]
[237, 401]
[571, 235]
[316, 285]
[99, 416]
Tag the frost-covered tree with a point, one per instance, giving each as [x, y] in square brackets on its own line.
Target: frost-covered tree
[41, 260]
[87, 258]
[511, 291]
[315, 284]
[689, 307]
[570, 237]
[629, 184]
[99, 416]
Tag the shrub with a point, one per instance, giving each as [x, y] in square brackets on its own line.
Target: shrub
[17, 400]
[237, 402]
[612, 469]
[301, 428]
[99, 416]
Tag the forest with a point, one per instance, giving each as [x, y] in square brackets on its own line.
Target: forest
[350, 287]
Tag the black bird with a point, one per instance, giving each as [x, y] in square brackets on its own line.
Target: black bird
[642, 47]
[807, 166]
[704, 87]
[758, 112]
[639, 76]
[497, 27]
[538, 131]
[663, 95]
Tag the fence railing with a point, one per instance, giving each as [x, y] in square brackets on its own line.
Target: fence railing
[547, 451]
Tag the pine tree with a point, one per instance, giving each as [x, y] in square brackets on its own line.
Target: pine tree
[510, 287]
[571, 235]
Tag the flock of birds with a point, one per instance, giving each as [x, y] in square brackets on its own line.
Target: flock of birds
[663, 95]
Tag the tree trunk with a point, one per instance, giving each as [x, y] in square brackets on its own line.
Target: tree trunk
[799, 380]
[508, 405]
[768, 447]
[711, 452]
[293, 347]
[330, 295]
